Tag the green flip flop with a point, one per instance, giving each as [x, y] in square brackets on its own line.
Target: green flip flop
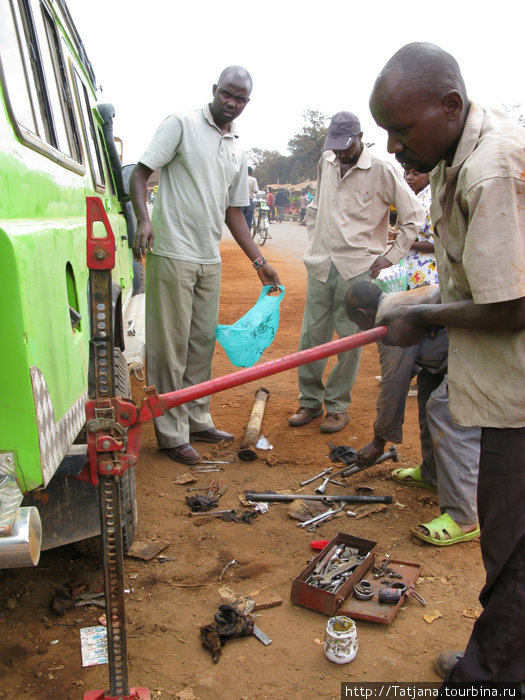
[412, 477]
[439, 528]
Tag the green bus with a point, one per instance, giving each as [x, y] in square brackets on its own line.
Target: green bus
[56, 148]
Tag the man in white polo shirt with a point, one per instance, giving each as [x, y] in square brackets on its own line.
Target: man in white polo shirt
[203, 183]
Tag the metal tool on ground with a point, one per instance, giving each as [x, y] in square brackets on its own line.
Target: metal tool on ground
[313, 522]
[354, 469]
[317, 476]
[214, 461]
[247, 450]
[230, 563]
[204, 470]
[329, 500]
[215, 489]
[391, 453]
[212, 512]
[261, 636]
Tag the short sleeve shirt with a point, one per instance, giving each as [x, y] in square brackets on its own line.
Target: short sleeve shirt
[202, 173]
[349, 216]
[478, 210]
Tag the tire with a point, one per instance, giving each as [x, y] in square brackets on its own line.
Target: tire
[262, 230]
[139, 278]
[127, 481]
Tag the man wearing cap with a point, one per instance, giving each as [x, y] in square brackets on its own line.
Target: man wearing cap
[347, 225]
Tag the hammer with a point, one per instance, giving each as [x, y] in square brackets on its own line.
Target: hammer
[348, 471]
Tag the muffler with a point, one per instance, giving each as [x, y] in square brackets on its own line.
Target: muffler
[22, 546]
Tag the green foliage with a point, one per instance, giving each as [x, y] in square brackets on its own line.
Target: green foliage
[305, 149]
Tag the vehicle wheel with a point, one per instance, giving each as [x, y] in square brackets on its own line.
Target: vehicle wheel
[139, 277]
[127, 482]
[262, 231]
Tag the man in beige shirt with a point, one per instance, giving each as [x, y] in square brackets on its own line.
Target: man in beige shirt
[476, 159]
[347, 242]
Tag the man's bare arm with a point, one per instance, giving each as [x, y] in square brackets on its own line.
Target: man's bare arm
[236, 223]
[144, 236]
[408, 325]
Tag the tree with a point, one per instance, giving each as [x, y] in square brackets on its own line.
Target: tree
[306, 146]
[305, 150]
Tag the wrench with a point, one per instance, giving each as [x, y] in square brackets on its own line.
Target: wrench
[348, 471]
[321, 474]
[320, 518]
[325, 579]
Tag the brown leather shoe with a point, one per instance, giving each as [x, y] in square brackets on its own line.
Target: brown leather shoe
[211, 435]
[183, 453]
[304, 415]
[334, 422]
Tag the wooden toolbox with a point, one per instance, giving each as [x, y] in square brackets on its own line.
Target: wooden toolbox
[308, 596]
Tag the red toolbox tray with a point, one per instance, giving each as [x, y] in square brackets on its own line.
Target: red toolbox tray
[308, 596]
[374, 611]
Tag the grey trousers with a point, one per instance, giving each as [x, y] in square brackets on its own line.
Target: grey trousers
[324, 313]
[450, 452]
[182, 301]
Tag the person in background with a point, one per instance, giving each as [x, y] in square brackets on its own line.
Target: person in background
[282, 200]
[181, 244]
[304, 203]
[253, 187]
[347, 242]
[475, 156]
[420, 261]
[270, 201]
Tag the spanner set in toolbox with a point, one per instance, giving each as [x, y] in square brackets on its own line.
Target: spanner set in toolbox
[330, 577]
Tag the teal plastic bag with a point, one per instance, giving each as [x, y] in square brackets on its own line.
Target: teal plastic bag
[247, 339]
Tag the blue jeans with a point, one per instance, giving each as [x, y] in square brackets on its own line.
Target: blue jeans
[248, 213]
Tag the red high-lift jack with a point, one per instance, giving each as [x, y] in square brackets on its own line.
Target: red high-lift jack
[113, 429]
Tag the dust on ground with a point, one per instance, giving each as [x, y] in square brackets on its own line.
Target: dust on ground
[171, 598]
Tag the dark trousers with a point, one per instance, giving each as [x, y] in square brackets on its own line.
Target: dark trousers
[496, 648]
[248, 213]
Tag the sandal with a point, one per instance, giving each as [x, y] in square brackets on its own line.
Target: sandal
[443, 531]
[412, 477]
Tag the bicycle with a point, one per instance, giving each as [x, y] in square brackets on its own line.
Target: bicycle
[260, 224]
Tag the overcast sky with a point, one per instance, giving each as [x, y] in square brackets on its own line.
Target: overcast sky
[153, 58]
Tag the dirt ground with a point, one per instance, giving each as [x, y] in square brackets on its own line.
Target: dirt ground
[170, 599]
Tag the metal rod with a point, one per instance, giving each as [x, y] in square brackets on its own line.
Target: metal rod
[250, 374]
[337, 498]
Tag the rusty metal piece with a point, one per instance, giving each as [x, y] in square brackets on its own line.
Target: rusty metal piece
[247, 451]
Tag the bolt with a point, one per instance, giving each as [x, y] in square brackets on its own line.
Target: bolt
[106, 444]
[100, 254]
[132, 461]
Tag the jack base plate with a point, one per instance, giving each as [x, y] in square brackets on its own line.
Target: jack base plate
[135, 694]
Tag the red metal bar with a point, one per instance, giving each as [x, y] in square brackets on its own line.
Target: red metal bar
[250, 374]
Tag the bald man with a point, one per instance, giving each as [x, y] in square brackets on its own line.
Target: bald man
[477, 159]
[203, 183]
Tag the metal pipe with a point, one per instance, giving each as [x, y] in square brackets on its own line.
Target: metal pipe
[250, 374]
[247, 451]
[336, 498]
[22, 546]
